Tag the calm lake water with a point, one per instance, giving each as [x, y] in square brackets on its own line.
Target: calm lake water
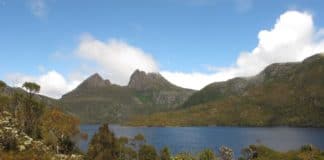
[194, 139]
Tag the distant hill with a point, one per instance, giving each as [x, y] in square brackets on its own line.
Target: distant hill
[11, 91]
[97, 100]
[289, 94]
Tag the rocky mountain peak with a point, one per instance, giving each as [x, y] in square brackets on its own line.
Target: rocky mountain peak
[141, 80]
[95, 81]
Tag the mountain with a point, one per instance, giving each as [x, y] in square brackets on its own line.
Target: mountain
[94, 81]
[97, 100]
[290, 94]
[141, 81]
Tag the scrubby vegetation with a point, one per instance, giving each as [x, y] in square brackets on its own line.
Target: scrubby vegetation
[31, 130]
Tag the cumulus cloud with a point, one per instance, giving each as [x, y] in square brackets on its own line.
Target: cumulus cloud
[52, 83]
[293, 38]
[116, 58]
[38, 8]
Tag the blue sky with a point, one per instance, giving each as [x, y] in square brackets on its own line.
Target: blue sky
[184, 38]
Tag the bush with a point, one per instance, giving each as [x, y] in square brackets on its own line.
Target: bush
[9, 143]
[183, 156]
[165, 154]
[307, 148]
[66, 145]
[127, 153]
[147, 152]
[4, 103]
[226, 153]
[50, 139]
[249, 153]
[207, 154]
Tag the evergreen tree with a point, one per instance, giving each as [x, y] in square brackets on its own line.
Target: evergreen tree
[165, 154]
[103, 145]
[147, 152]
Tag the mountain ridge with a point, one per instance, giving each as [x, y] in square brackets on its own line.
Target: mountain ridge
[288, 94]
[145, 93]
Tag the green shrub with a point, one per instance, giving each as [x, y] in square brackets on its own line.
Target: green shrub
[207, 154]
[183, 156]
[165, 154]
[66, 145]
[147, 152]
[249, 153]
[9, 143]
[307, 148]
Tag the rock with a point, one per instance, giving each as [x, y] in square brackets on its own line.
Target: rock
[5, 113]
[67, 157]
[27, 143]
[142, 81]
[7, 128]
[95, 81]
[21, 148]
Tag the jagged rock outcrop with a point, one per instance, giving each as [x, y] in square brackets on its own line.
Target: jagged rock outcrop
[142, 81]
[94, 81]
[161, 91]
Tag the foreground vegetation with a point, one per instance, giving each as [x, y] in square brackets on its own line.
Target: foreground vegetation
[31, 130]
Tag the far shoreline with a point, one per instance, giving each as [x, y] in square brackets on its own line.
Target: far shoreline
[205, 126]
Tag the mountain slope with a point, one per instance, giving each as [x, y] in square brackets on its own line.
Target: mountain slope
[97, 100]
[282, 94]
[10, 92]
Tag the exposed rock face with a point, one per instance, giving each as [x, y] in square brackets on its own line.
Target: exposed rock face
[142, 81]
[94, 81]
[158, 88]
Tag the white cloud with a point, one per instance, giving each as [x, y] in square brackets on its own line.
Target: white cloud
[116, 58]
[293, 38]
[38, 8]
[194, 80]
[52, 83]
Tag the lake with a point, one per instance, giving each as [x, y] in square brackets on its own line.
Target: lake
[194, 139]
